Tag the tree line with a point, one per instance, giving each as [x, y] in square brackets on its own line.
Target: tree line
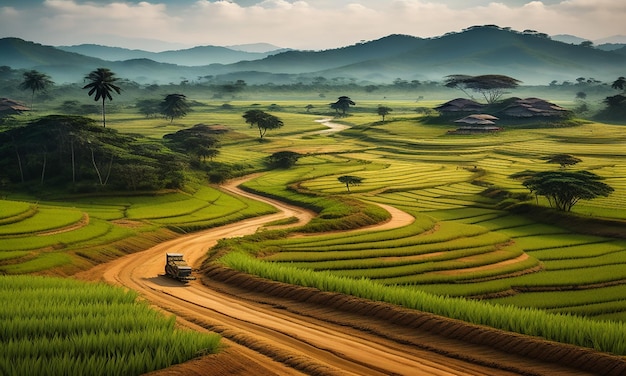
[75, 153]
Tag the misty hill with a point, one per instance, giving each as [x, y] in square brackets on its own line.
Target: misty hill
[196, 56]
[531, 57]
[257, 47]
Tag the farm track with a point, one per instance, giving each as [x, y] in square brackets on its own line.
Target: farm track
[271, 328]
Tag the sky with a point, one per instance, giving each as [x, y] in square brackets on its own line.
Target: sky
[158, 25]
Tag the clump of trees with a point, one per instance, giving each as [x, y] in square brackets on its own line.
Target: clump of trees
[72, 151]
[343, 103]
[283, 159]
[615, 104]
[198, 140]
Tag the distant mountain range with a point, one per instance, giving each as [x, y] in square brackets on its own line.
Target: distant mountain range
[196, 56]
[532, 57]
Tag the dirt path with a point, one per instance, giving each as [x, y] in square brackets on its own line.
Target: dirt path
[266, 334]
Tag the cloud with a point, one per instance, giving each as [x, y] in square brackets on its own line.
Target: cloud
[305, 24]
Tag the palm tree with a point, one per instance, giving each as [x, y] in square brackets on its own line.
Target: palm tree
[102, 84]
[174, 106]
[35, 81]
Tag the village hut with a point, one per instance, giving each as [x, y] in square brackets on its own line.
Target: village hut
[11, 107]
[476, 123]
[460, 105]
[480, 119]
[534, 107]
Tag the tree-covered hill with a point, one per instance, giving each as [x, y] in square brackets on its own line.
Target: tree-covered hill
[73, 152]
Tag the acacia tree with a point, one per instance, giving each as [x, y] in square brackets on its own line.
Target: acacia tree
[349, 180]
[343, 103]
[564, 160]
[262, 120]
[564, 189]
[101, 83]
[490, 86]
[35, 81]
[174, 106]
[383, 111]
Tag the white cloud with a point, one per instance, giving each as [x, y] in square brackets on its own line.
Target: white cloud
[310, 24]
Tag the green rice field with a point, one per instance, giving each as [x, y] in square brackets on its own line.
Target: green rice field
[465, 250]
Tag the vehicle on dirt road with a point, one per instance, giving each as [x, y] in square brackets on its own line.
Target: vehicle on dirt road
[177, 268]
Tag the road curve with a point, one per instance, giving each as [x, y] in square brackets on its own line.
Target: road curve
[265, 337]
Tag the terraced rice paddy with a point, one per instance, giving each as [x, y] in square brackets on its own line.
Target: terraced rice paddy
[469, 248]
[43, 237]
[463, 245]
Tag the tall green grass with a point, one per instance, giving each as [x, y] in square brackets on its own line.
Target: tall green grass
[602, 336]
[63, 327]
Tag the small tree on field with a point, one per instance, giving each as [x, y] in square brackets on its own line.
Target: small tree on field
[564, 189]
[174, 106]
[262, 120]
[564, 160]
[383, 111]
[349, 180]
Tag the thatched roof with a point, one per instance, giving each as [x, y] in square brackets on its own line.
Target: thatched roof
[534, 107]
[481, 119]
[11, 107]
[460, 105]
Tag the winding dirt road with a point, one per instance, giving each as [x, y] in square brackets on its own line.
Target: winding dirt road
[266, 334]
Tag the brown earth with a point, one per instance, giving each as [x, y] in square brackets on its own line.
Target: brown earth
[271, 328]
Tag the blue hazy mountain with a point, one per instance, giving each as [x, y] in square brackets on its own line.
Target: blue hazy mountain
[529, 56]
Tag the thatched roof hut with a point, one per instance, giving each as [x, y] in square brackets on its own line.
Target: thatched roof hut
[534, 107]
[11, 107]
[460, 105]
[480, 119]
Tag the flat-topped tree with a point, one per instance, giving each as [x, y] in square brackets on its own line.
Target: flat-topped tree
[564, 160]
[349, 180]
[262, 120]
[564, 189]
[491, 86]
